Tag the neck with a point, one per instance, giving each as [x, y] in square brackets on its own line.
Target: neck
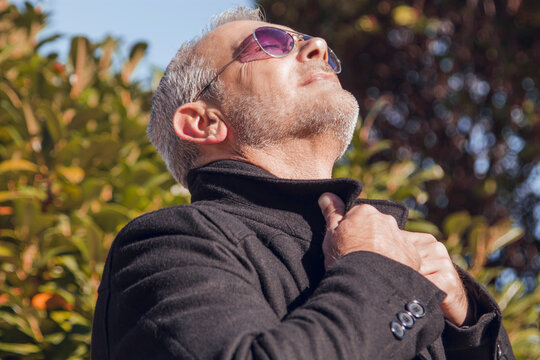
[299, 159]
[288, 161]
[296, 159]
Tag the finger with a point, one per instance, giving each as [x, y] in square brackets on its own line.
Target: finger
[438, 265]
[419, 239]
[436, 251]
[332, 208]
[428, 268]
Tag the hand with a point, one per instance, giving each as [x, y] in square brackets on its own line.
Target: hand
[364, 228]
[437, 266]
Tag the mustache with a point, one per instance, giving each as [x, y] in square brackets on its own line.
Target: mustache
[314, 67]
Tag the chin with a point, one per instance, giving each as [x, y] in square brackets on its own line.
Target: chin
[261, 122]
[335, 112]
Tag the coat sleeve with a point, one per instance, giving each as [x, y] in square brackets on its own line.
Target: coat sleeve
[486, 338]
[168, 294]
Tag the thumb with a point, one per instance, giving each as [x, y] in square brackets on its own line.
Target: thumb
[332, 208]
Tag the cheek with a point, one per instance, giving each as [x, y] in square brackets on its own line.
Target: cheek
[273, 76]
[269, 79]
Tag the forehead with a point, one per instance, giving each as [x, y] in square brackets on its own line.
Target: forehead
[223, 40]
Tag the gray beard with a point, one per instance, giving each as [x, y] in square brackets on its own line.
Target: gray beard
[258, 123]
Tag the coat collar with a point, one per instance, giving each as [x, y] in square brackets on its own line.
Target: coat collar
[281, 202]
[243, 182]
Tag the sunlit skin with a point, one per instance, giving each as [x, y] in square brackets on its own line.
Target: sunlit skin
[297, 74]
[268, 76]
[305, 74]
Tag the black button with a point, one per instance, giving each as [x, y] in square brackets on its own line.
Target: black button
[415, 308]
[397, 329]
[406, 318]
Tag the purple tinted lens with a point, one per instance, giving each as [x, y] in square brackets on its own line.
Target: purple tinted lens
[274, 42]
[333, 61]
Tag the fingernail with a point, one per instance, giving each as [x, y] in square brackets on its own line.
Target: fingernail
[324, 201]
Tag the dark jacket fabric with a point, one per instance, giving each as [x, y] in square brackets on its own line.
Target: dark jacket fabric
[239, 274]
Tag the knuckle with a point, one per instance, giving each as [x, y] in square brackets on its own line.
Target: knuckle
[365, 209]
[390, 219]
[427, 239]
[433, 239]
[449, 280]
[441, 249]
[329, 211]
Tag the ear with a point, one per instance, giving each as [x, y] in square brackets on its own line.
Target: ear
[196, 123]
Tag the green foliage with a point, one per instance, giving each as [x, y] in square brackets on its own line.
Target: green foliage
[470, 240]
[458, 84]
[75, 166]
[450, 90]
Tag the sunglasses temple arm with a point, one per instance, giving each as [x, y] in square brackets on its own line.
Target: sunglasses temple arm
[238, 53]
[212, 80]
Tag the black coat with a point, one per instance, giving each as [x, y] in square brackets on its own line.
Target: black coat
[239, 274]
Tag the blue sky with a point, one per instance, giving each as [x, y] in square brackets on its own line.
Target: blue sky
[163, 24]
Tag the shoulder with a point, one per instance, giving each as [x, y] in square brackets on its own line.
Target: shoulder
[178, 236]
[184, 220]
[182, 226]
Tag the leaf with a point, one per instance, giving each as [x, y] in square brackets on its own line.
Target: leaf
[8, 133]
[515, 289]
[158, 180]
[55, 251]
[28, 215]
[7, 250]
[108, 47]
[67, 319]
[73, 174]
[17, 323]
[83, 116]
[423, 226]
[20, 349]
[378, 147]
[111, 216]
[48, 39]
[505, 237]
[84, 64]
[434, 172]
[55, 338]
[91, 188]
[137, 53]
[100, 152]
[55, 125]
[17, 165]
[92, 239]
[144, 172]
[457, 223]
[22, 193]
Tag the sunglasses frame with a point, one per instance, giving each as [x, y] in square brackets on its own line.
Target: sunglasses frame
[296, 36]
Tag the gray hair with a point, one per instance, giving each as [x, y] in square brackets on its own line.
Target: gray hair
[187, 73]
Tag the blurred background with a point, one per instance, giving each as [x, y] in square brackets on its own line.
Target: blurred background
[449, 124]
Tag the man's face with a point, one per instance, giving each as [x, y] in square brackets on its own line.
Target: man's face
[270, 100]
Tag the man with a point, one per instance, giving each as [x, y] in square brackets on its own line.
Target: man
[273, 259]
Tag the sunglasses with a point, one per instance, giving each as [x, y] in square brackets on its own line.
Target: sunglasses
[274, 43]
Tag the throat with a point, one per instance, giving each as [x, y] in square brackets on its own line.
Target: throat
[297, 159]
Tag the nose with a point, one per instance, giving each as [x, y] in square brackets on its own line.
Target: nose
[312, 48]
